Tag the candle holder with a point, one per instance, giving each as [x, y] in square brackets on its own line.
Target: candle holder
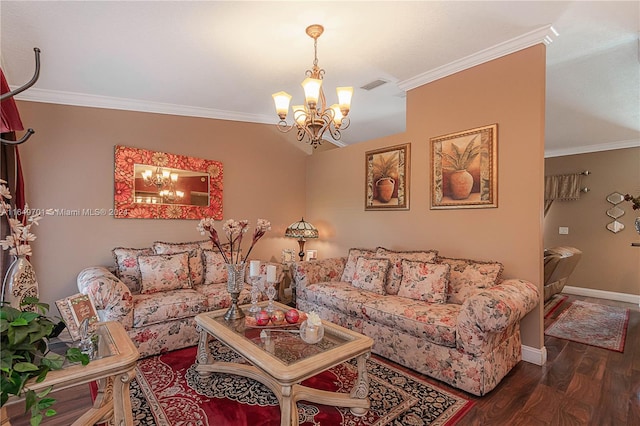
[271, 294]
[256, 289]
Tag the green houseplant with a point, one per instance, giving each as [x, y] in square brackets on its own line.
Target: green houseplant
[24, 336]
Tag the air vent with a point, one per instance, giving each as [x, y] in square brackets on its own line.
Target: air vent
[374, 84]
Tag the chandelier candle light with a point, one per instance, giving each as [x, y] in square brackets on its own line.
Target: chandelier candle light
[236, 263]
[314, 118]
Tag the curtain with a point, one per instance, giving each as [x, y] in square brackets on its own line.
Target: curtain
[10, 169]
[561, 187]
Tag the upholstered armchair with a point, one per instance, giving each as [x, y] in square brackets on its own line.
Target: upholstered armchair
[559, 264]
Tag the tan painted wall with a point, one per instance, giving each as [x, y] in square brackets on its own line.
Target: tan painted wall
[508, 91]
[68, 164]
[608, 263]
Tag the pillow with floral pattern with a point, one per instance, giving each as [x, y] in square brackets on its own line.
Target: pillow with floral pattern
[394, 275]
[424, 281]
[468, 277]
[195, 255]
[164, 272]
[127, 269]
[371, 274]
[215, 269]
[352, 259]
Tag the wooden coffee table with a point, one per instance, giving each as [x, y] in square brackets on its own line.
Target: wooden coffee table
[282, 360]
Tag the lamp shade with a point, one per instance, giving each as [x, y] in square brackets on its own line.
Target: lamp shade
[301, 230]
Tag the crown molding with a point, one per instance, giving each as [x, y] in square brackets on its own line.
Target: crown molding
[94, 101]
[541, 35]
[591, 148]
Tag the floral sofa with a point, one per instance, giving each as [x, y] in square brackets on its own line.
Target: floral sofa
[156, 292]
[455, 320]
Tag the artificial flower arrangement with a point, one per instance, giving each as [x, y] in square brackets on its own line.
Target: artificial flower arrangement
[234, 230]
[17, 242]
[634, 200]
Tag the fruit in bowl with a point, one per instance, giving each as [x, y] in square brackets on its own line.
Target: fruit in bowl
[292, 316]
[262, 318]
[277, 317]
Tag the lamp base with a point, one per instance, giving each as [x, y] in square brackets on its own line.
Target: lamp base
[301, 253]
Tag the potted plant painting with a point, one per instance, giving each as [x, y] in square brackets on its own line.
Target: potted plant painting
[24, 336]
[460, 180]
[385, 175]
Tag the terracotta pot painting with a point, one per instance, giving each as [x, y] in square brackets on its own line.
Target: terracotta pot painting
[464, 169]
[387, 178]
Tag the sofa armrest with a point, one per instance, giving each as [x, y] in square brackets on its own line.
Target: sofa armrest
[485, 316]
[316, 271]
[113, 299]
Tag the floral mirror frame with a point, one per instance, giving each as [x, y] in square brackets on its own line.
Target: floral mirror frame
[124, 180]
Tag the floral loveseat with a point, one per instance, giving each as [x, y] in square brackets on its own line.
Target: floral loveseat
[156, 292]
[455, 320]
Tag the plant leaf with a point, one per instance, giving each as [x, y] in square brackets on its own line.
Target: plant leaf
[23, 367]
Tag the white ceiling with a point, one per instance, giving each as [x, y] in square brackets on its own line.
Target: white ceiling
[225, 59]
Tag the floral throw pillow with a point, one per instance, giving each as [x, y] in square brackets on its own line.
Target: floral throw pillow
[394, 275]
[215, 269]
[127, 269]
[352, 259]
[195, 255]
[164, 272]
[468, 277]
[424, 281]
[370, 274]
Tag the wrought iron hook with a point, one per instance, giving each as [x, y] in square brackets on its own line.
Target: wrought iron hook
[31, 82]
[12, 93]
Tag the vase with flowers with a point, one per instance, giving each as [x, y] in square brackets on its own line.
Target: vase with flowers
[20, 280]
[635, 201]
[236, 263]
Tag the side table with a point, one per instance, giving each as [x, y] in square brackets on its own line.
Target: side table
[113, 369]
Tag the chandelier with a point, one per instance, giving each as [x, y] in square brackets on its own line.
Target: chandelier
[315, 117]
[165, 182]
[160, 179]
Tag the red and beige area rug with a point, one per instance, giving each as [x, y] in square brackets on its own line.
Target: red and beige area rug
[168, 391]
[592, 324]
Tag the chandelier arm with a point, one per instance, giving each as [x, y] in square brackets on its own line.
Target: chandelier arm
[284, 127]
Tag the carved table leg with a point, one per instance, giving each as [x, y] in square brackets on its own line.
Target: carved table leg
[361, 388]
[287, 408]
[203, 356]
[122, 412]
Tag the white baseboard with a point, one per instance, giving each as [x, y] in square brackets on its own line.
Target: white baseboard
[601, 294]
[534, 355]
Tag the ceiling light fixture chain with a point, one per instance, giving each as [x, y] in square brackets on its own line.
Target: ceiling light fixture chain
[315, 117]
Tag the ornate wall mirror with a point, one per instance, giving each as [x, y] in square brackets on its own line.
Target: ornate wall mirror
[158, 185]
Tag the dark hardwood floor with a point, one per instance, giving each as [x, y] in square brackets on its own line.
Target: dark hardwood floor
[579, 385]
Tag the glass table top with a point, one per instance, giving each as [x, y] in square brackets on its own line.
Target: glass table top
[284, 342]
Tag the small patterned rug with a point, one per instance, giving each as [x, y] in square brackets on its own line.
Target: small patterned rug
[592, 324]
[168, 391]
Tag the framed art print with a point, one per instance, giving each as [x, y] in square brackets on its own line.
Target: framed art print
[387, 178]
[464, 169]
[75, 309]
